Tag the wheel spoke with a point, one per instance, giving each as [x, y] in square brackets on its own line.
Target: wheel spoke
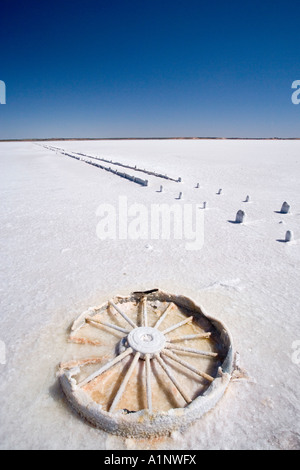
[163, 316]
[106, 367]
[80, 363]
[81, 340]
[187, 365]
[109, 325]
[187, 337]
[172, 378]
[125, 382]
[144, 311]
[191, 350]
[122, 314]
[178, 325]
[148, 382]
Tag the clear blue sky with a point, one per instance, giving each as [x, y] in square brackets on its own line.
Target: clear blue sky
[141, 68]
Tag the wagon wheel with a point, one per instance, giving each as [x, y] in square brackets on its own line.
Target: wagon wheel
[145, 345]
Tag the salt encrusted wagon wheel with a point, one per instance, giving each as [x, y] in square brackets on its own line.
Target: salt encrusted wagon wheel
[162, 363]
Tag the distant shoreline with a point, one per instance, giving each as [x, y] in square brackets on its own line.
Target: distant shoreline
[145, 138]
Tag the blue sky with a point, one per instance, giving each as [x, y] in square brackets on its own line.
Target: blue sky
[112, 68]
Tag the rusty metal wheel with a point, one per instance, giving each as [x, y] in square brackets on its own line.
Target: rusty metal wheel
[160, 363]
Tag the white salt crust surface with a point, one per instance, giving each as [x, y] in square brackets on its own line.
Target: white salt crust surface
[53, 267]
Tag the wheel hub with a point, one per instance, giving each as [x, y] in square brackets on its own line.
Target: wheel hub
[146, 340]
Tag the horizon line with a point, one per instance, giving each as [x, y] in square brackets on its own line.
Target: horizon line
[144, 138]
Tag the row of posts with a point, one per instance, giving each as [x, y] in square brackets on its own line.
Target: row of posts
[240, 215]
